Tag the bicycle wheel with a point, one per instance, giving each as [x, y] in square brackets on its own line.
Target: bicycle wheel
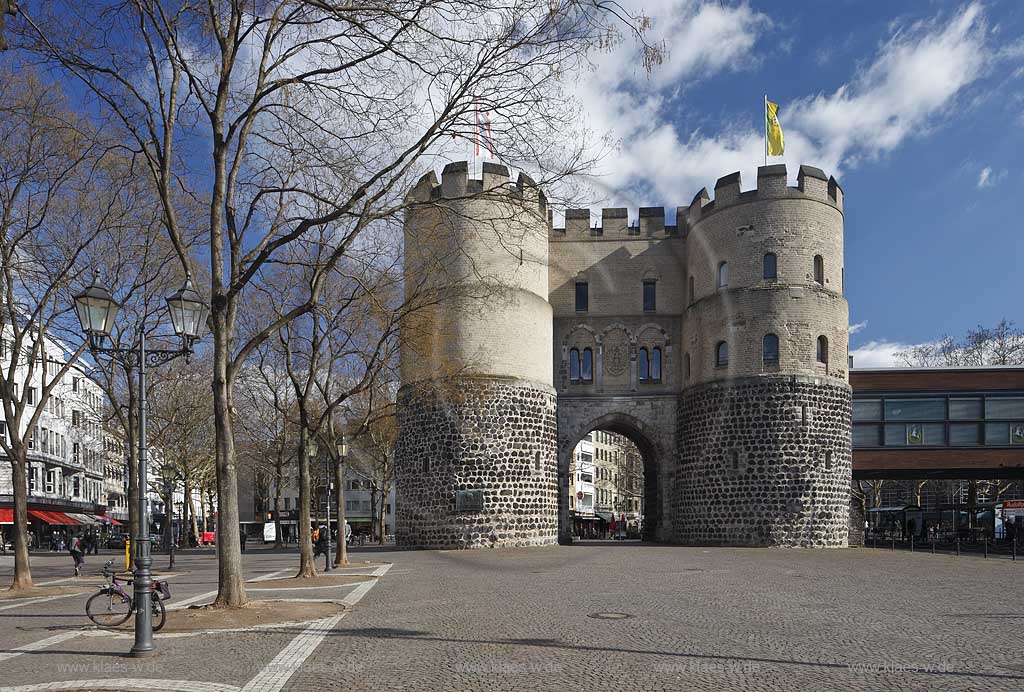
[159, 613]
[108, 609]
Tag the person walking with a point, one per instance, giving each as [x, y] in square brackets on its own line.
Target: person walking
[321, 542]
[77, 554]
[243, 538]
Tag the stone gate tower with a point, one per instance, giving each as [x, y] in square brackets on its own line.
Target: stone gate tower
[764, 418]
[717, 344]
[475, 458]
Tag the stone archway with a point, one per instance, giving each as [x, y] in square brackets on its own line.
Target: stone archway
[649, 422]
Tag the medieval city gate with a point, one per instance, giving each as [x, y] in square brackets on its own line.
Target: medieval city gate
[717, 344]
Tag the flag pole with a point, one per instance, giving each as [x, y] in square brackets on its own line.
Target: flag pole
[764, 116]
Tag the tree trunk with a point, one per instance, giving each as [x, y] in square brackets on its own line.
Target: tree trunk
[341, 554]
[278, 478]
[191, 504]
[22, 570]
[373, 511]
[307, 568]
[230, 578]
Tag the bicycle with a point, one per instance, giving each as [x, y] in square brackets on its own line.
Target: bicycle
[112, 606]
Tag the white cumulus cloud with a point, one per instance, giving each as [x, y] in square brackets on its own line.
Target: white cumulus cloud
[879, 354]
[903, 90]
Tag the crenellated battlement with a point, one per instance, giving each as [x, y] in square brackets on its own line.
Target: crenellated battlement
[812, 183]
[455, 184]
[614, 223]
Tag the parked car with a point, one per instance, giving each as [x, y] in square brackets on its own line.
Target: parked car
[116, 540]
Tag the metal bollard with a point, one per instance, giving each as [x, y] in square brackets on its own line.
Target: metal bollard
[911, 543]
[1013, 549]
[933, 546]
[894, 544]
[986, 547]
[958, 546]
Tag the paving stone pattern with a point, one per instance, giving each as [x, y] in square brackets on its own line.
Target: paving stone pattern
[708, 619]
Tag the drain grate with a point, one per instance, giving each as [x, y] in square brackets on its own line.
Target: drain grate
[609, 616]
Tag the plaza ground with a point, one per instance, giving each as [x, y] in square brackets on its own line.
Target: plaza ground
[694, 618]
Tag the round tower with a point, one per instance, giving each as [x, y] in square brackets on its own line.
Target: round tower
[476, 459]
[764, 424]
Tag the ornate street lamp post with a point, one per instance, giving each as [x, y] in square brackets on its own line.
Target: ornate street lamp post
[96, 310]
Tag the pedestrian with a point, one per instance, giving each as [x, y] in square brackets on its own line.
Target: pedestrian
[348, 533]
[321, 542]
[243, 538]
[77, 549]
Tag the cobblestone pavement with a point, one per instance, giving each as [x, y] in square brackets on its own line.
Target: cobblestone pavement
[49, 644]
[698, 618]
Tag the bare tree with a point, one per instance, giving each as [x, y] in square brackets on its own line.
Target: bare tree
[292, 116]
[63, 195]
[1002, 344]
[181, 426]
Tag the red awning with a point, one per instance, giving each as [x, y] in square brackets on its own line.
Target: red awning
[6, 516]
[108, 520]
[58, 518]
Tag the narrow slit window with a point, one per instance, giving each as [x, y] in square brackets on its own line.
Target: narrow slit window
[723, 274]
[770, 349]
[582, 296]
[822, 350]
[649, 296]
[770, 269]
[722, 354]
[656, 364]
[819, 269]
[574, 365]
[643, 363]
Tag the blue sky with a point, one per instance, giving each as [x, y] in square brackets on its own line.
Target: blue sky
[918, 108]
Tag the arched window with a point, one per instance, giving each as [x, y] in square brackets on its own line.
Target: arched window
[819, 269]
[643, 364]
[574, 365]
[686, 366]
[770, 267]
[723, 274]
[770, 349]
[587, 367]
[656, 364]
[822, 349]
[722, 354]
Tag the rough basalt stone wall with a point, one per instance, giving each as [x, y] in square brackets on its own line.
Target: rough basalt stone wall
[753, 468]
[497, 435]
[856, 521]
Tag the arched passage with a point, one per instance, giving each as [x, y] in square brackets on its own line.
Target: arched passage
[650, 428]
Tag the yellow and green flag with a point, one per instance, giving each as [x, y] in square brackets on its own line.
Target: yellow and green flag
[774, 142]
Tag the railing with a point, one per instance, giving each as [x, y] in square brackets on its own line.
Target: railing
[949, 544]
